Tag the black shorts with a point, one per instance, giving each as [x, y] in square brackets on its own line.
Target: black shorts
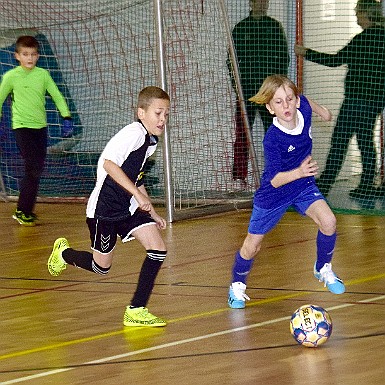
[104, 234]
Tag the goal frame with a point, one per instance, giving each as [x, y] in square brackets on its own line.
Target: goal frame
[215, 206]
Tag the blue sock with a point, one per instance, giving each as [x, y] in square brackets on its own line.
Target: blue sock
[325, 249]
[241, 268]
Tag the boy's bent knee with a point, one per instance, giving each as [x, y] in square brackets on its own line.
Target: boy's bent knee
[328, 225]
[251, 246]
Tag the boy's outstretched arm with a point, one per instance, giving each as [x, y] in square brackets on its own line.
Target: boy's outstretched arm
[320, 110]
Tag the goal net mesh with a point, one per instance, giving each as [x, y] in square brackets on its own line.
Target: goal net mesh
[346, 73]
[101, 53]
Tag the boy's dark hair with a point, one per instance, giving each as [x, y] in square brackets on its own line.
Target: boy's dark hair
[147, 94]
[26, 42]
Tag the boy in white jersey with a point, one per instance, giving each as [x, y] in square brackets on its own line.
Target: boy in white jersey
[287, 180]
[28, 86]
[119, 206]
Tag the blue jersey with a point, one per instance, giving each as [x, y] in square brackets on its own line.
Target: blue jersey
[285, 150]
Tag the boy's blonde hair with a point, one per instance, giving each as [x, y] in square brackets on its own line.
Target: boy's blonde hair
[269, 87]
[148, 94]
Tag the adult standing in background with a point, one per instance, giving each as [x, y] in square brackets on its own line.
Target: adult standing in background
[262, 50]
[364, 97]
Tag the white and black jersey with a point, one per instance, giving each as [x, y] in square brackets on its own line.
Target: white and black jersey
[129, 149]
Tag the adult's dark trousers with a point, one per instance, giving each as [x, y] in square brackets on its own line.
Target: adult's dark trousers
[241, 146]
[356, 117]
[32, 144]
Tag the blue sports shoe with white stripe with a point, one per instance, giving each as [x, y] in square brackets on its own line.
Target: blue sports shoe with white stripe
[331, 281]
[237, 295]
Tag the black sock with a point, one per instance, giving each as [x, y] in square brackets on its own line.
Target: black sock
[83, 260]
[147, 276]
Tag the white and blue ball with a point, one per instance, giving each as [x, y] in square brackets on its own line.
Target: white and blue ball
[311, 325]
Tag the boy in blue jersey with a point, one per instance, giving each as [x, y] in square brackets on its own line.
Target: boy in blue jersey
[119, 206]
[287, 180]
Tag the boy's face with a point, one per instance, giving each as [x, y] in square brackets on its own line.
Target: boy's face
[284, 106]
[27, 57]
[155, 116]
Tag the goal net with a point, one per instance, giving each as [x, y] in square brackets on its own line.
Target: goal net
[101, 53]
[345, 71]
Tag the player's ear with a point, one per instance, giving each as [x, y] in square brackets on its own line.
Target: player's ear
[270, 109]
[140, 113]
[298, 101]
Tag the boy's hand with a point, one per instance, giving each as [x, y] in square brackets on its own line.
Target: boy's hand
[308, 167]
[144, 202]
[146, 205]
[67, 128]
[300, 50]
[161, 222]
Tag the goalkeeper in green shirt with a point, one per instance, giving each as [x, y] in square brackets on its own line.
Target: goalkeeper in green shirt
[28, 86]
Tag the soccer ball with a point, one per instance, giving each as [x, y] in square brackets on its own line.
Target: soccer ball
[311, 325]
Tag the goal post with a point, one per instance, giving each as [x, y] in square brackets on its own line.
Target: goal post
[168, 189]
[202, 119]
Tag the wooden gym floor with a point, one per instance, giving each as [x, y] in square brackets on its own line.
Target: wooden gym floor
[68, 330]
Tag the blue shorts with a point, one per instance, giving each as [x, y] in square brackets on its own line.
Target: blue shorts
[104, 234]
[264, 220]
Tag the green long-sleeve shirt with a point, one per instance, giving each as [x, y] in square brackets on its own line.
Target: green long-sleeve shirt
[28, 89]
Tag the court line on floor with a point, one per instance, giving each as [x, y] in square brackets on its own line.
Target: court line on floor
[186, 318]
[180, 342]
[122, 331]
[189, 317]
